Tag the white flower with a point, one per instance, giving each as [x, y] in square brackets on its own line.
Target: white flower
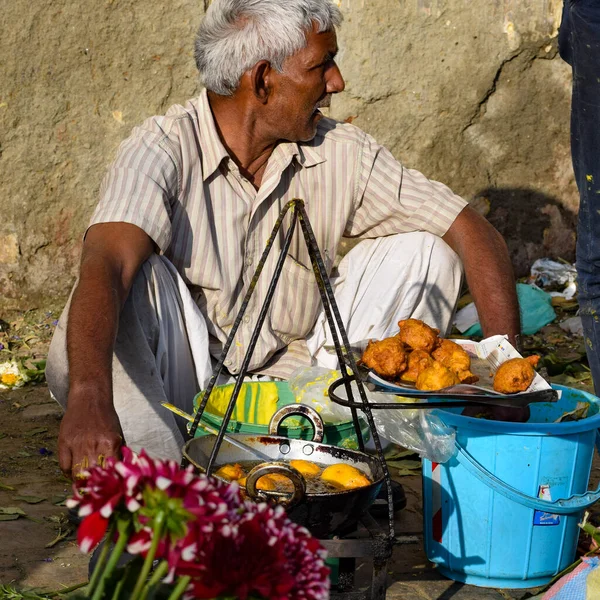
[11, 376]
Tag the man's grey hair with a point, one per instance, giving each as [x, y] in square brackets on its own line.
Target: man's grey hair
[236, 34]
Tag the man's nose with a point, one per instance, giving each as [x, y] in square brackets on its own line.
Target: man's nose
[335, 81]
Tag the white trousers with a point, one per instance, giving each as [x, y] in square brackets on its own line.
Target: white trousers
[161, 351]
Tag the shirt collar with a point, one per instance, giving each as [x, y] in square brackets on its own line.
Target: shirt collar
[213, 151]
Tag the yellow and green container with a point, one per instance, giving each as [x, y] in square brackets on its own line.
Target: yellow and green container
[258, 402]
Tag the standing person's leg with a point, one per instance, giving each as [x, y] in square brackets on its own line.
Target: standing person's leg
[161, 354]
[382, 281]
[579, 42]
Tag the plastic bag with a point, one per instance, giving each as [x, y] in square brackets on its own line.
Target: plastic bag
[309, 386]
[580, 584]
[535, 306]
[419, 429]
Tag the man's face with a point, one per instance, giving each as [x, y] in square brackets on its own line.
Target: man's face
[309, 78]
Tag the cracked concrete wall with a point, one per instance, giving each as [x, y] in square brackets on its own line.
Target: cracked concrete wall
[471, 93]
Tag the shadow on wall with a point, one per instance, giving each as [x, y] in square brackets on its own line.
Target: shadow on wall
[533, 224]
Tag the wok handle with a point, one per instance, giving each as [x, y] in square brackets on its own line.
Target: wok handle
[281, 469]
[298, 409]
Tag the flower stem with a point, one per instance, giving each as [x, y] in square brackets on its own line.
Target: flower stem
[123, 528]
[180, 588]
[158, 574]
[147, 566]
[102, 559]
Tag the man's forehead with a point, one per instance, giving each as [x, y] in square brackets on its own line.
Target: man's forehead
[318, 45]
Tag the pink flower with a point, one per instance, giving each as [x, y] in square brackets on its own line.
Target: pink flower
[91, 531]
[258, 552]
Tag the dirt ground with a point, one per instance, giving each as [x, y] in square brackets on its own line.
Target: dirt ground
[37, 544]
[38, 550]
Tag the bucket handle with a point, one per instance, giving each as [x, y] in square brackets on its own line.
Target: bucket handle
[562, 506]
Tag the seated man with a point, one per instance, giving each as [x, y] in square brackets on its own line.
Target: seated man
[187, 207]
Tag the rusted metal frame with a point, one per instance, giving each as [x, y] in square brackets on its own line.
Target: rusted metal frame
[326, 292]
[345, 356]
[219, 366]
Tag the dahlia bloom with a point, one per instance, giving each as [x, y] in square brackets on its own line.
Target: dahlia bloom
[208, 541]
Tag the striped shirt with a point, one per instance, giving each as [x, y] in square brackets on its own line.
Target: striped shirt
[174, 179]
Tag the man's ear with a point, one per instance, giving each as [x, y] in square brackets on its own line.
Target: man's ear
[261, 80]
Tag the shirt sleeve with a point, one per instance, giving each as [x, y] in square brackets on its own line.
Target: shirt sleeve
[392, 199]
[140, 184]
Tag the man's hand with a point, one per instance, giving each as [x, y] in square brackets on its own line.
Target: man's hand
[87, 437]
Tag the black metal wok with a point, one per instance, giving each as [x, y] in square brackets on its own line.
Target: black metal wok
[322, 514]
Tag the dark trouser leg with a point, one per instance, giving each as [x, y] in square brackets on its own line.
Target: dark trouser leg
[579, 42]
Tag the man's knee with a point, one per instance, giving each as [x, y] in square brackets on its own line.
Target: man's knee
[57, 366]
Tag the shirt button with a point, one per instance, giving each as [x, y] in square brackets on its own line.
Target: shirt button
[248, 262]
[228, 362]
[246, 319]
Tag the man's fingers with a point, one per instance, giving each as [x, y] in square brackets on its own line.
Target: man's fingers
[64, 460]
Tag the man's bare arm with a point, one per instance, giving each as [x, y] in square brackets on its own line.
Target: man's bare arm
[112, 255]
[488, 271]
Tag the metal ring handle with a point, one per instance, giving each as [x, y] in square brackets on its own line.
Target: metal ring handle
[281, 469]
[298, 409]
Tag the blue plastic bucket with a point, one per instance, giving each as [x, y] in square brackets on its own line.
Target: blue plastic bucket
[486, 521]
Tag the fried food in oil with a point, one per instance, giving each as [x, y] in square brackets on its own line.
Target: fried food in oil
[455, 358]
[418, 335]
[345, 477]
[271, 483]
[386, 357]
[515, 375]
[418, 361]
[230, 472]
[305, 467]
[436, 377]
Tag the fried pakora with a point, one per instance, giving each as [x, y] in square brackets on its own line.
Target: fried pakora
[345, 477]
[455, 358]
[387, 357]
[418, 335]
[231, 472]
[273, 482]
[305, 467]
[515, 375]
[436, 377]
[418, 361]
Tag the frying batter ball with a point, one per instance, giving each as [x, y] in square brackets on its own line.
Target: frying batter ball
[515, 375]
[345, 476]
[418, 335]
[230, 472]
[435, 378]
[386, 357]
[305, 467]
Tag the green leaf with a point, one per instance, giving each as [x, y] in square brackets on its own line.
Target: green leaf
[8, 517]
[8, 488]
[12, 510]
[37, 431]
[3, 435]
[406, 473]
[398, 455]
[30, 499]
[24, 453]
[405, 464]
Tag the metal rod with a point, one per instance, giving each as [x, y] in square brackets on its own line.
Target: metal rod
[253, 339]
[325, 286]
[219, 366]
[453, 400]
[346, 358]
